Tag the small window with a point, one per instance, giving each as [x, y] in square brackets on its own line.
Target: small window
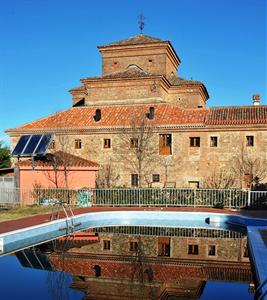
[193, 249]
[97, 269]
[134, 180]
[78, 144]
[165, 144]
[214, 141]
[107, 143]
[193, 184]
[52, 145]
[250, 140]
[211, 250]
[134, 143]
[150, 60]
[194, 141]
[106, 244]
[115, 62]
[164, 247]
[155, 178]
[133, 246]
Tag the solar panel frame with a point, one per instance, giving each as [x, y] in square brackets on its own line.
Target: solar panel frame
[43, 144]
[32, 145]
[22, 143]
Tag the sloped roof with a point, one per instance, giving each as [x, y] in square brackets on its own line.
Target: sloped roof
[60, 157]
[132, 71]
[237, 115]
[174, 80]
[165, 114]
[116, 116]
[135, 40]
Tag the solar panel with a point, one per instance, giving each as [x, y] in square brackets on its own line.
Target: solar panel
[43, 145]
[21, 145]
[32, 145]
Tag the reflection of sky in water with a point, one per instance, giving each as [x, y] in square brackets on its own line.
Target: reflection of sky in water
[18, 283]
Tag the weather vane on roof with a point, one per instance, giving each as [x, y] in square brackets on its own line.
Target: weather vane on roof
[141, 22]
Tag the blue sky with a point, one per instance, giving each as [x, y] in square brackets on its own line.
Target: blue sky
[47, 46]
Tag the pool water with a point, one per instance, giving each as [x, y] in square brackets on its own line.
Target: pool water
[175, 264]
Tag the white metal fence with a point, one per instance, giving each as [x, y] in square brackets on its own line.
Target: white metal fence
[218, 198]
[227, 198]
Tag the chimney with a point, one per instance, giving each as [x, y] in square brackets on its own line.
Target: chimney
[97, 116]
[256, 99]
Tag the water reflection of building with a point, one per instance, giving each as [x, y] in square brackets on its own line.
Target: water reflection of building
[178, 262]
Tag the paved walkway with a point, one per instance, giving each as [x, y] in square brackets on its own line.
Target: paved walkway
[11, 225]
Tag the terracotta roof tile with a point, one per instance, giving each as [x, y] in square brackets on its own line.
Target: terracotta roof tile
[165, 114]
[174, 80]
[132, 71]
[237, 115]
[83, 117]
[73, 161]
[135, 40]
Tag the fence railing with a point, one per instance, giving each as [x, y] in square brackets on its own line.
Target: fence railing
[218, 198]
[228, 198]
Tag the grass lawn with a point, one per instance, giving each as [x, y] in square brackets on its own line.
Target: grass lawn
[16, 213]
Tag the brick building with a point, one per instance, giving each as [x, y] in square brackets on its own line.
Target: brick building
[147, 126]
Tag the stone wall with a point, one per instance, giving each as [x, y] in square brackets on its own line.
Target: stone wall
[185, 164]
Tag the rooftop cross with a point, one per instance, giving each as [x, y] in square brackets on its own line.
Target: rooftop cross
[141, 22]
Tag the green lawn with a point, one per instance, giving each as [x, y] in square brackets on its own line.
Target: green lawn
[16, 213]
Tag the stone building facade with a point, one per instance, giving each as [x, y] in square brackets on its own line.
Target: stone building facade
[139, 266]
[147, 126]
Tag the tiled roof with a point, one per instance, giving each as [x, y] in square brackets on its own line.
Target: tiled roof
[61, 157]
[135, 40]
[132, 71]
[165, 114]
[178, 81]
[174, 80]
[117, 115]
[237, 115]
[78, 88]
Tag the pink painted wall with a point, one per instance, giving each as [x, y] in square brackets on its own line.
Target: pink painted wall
[78, 177]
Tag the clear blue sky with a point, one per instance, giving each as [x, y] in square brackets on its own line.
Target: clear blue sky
[46, 46]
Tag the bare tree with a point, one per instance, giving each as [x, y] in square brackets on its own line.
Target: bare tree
[58, 161]
[107, 176]
[220, 179]
[137, 148]
[249, 169]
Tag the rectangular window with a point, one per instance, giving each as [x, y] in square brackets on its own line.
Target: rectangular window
[250, 140]
[133, 246]
[165, 144]
[107, 143]
[164, 247]
[194, 141]
[211, 250]
[155, 178]
[193, 184]
[193, 249]
[134, 143]
[106, 244]
[214, 141]
[78, 144]
[134, 180]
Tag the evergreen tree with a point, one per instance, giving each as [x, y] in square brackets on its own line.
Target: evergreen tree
[4, 156]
